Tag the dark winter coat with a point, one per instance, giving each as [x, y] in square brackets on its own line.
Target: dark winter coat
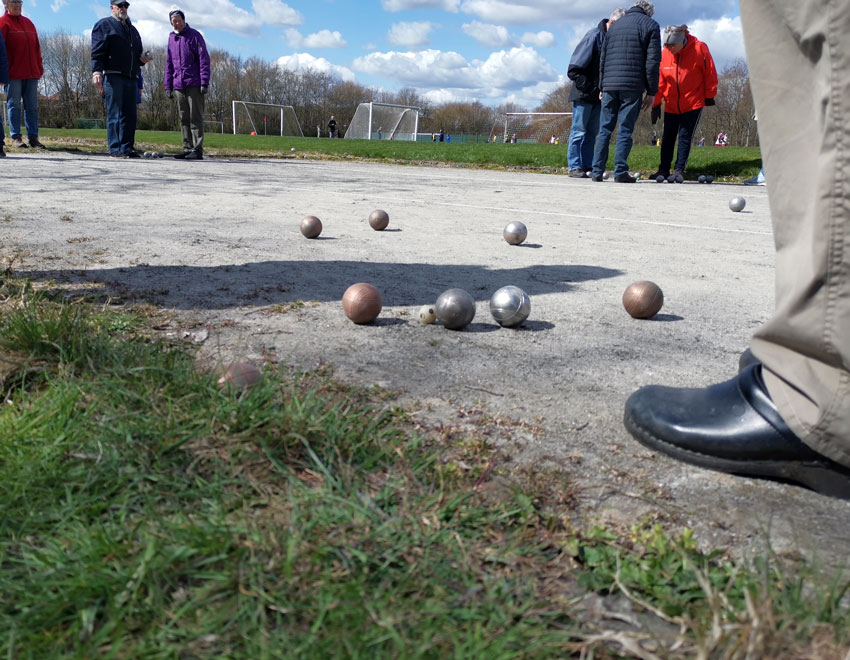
[187, 63]
[116, 47]
[4, 63]
[22, 47]
[631, 55]
[583, 68]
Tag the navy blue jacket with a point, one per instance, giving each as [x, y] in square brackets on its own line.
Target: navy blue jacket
[4, 63]
[583, 68]
[631, 55]
[116, 47]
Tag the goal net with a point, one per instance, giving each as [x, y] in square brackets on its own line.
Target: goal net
[265, 119]
[533, 127]
[384, 121]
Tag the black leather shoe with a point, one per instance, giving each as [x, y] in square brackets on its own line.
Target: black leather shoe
[732, 427]
[596, 177]
[625, 178]
[182, 155]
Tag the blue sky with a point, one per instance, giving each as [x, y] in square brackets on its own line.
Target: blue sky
[487, 50]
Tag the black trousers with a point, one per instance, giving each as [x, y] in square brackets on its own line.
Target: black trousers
[681, 127]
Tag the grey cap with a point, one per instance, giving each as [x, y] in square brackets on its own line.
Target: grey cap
[675, 34]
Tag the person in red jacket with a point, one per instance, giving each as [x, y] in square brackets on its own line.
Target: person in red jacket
[25, 69]
[687, 82]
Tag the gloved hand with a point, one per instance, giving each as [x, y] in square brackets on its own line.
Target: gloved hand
[170, 93]
[205, 89]
[709, 101]
[655, 115]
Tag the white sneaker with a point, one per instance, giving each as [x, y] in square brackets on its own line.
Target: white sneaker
[757, 180]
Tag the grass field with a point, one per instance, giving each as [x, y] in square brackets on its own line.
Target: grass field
[149, 513]
[728, 163]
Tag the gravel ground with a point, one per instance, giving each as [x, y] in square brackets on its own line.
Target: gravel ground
[218, 243]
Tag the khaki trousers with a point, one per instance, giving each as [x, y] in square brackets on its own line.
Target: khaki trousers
[798, 53]
[190, 105]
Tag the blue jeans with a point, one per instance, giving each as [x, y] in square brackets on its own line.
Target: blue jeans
[120, 92]
[28, 91]
[622, 107]
[583, 135]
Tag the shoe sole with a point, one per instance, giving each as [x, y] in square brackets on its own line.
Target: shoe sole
[814, 476]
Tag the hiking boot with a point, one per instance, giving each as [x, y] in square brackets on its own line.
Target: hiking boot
[35, 144]
[194, 155]
[182, 155]
[659, 173]
[132, 154]
[625, 178]
[18, 142]
[596, 177]
[578, 174]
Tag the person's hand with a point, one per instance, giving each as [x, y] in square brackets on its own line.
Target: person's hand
[655, 115]
[97, 81]
[709, 101]
[169, 93]
[647, 102]
[205, 89]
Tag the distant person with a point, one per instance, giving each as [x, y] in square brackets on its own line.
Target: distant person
[628, 65]
[583, 70]
[187, 76]
[687, 83]
[442, 135]
[758, 179]
[4, 79]
[331, 127]
[25, 69]
[786, 415]
[701, 142]
[117, 57]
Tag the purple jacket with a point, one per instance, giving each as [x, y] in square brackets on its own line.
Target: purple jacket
[187, 63]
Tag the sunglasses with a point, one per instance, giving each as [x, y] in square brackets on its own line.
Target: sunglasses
[122, 5]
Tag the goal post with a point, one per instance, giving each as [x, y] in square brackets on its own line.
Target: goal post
[534, 127]
[384, 121]
[265, 119]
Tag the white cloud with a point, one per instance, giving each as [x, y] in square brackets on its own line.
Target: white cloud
[542, 39]
[410, 34]
[522, 12]
[57, 5]
[487, 34]
[275, 12]
[403, 5]
[307, 62]
[321, 39]
[723, 37]
[211, 14]
[153, 34]
[451, 73]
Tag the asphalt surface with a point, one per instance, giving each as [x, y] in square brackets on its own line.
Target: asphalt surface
[218, 243]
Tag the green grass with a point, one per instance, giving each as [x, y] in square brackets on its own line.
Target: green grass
[147, 513]
[728, 163]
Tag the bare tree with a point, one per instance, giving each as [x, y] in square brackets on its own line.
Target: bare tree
[67, 81]
[558, 100]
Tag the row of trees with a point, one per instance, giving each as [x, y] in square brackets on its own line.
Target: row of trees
[316, 96]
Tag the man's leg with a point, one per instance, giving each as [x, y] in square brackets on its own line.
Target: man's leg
[196, 118]
[607, 123]
[668, 142]
[184, 113]
[29, 94]
[129, 108]
[594, 112]
[687, 125]
[112, 94]
[798, 55]
[13, 105]
[629, 111]
[578, 136]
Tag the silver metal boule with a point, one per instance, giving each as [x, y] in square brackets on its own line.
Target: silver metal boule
[515, 232]
[510, 306]
[737, 204]
[455, 309]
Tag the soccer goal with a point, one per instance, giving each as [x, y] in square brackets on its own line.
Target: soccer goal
[537, 127]
[384, 121]
[265, 119]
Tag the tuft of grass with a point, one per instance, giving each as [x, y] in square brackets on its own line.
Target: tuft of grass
[147, 513]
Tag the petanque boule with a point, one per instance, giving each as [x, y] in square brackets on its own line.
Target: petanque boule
[510, 306]
[709, 178]
[737, 204]
[606, 175]
[660, 179]
[379, 219]
[455, 309]
[427, 314]
[680, 178]
[515, 232]
[362, 303]
[311, 226]
[643, 299]
[701, 178]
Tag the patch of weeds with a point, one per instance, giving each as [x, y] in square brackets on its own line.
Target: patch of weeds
[283, 308]
[80, 239]
[66, 218]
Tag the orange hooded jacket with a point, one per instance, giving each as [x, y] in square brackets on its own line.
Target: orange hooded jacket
[687, 79]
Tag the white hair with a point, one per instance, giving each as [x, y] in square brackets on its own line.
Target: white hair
[616, 15]
[646, 6]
